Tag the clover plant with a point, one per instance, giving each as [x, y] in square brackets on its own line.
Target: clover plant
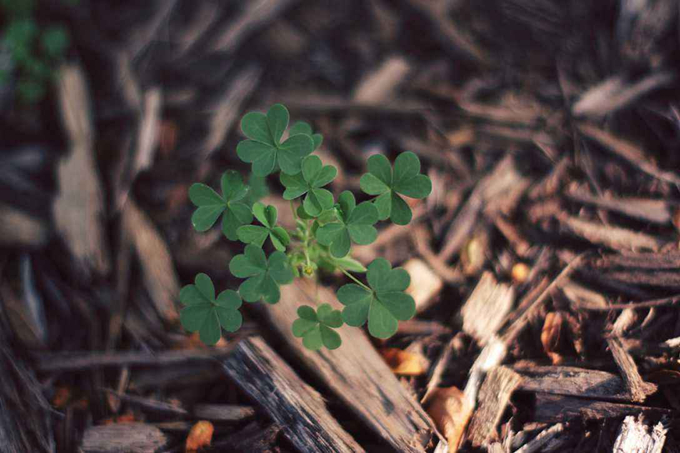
[321, 241]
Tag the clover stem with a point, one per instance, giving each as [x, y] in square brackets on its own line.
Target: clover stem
[292, 208]
[355, 279]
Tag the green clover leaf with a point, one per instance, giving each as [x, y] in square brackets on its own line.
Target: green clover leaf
[387, 184]
[383, 304]
[264, 148]
[301, 127]
[263, 275]
[310, 181]
[355, 225]
[205, 313]
[211, 205]
[255, 234]
[316, 328]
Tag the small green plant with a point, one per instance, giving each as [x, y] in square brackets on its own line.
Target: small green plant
[34, 50]
[322, 240]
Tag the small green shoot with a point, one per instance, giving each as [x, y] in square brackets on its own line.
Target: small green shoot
[321, 240]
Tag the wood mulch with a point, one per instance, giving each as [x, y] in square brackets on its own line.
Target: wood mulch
[545, 264]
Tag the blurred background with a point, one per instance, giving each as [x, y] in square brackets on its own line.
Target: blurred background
[550, 130]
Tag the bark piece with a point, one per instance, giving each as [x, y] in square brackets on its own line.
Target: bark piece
[629, 152]
[223, 412]
[158, 271]
[637, 388]
[494, 396]
[379, 85]
[616, 93]
[610, 236]
[557, 408]
[565, 380]
[127, 437]
[425, 284]
[451, 411]
[486, 308]
[20, 229]
[634, 436]
[289, 401]
[656, 211]
[355, 373]
[79, 207]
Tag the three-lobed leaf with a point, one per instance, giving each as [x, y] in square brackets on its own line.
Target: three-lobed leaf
[264, 148]
[205, 313]
[316, 327]
[309, 182]
[211, 205]
[388, 184]
[355, 224]
[263, 275]
[255, 234]
[383, 305]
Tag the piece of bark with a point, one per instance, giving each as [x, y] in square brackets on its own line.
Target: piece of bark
[150, 404]
[582, 297]
[634, 436]
[425, 328]
[557, 408]
[638, 389]
[20, 229]
[500, 185]
[379, 85]
[485, 310]
[354, 372]
[629, 152]
[251, 439]
[616, 93]
[644, 261]
[656, 211]
[252, 17]
[573, 381]
[616, 238]
[494, 396]
[227, 108]
[544, 437]
[425, 284]
[123, 437]
[288, 400]
[223, 412]
[79, 207]
[158, 271]
[87, 360]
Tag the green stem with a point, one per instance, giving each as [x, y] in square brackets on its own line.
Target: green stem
[292, 208]
[355, 279]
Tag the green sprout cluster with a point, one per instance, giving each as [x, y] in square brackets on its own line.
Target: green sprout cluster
[322, 240]
[35, 50]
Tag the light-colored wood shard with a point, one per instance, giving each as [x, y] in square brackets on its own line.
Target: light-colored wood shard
[486, 308]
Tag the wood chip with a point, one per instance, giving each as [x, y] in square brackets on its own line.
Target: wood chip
[634, 435]
[355, 373]
[638, 389]
[127, 437]
[79, 208]
[494, 396]
[223, 412]
[291, 403]
[379, 85]
[486, 308]
[656, 211]
[551, 335]
[425, 284]
[158, 271]
[20, 229]
[404, 363]
[557, 408]
[614, 237]
[199, 437]
[571, 381]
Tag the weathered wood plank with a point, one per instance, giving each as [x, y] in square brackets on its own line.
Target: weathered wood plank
[291, 403]
[564, 380]
[356, 373]
[494, 395]
[558, 408]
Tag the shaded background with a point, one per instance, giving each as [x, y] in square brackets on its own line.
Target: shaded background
[549, 130]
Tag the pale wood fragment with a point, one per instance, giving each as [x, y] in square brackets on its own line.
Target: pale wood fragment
[290, 402]
[486, 308]
[635, 436]
[355, 373]
[425, 284]
[127, 437]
